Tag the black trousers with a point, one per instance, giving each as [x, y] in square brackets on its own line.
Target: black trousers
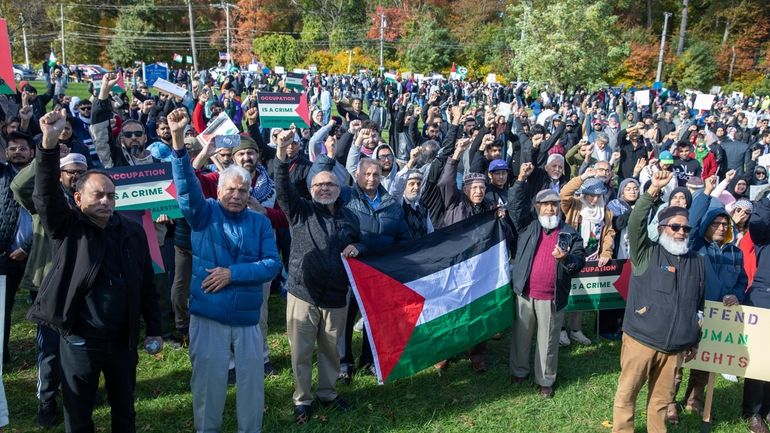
[82, 360]
[756, 393]
[48, 366]
[13, 271]
[366, 351]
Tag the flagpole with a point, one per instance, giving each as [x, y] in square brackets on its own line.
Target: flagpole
[192, 34]
[24, 36]
[61, 14]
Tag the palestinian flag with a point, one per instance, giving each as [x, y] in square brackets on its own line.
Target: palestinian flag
[435, 297]
[295, 81]
[52, 59]
[177, 58]
[7, 80]
[391, 78]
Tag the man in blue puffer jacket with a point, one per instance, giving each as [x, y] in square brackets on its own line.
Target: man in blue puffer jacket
[234, 253]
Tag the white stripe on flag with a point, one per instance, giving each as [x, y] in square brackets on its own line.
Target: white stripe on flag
[462, 283]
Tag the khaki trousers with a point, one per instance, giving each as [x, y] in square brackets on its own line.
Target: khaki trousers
[307, 324]
[639, 365]
[540, 314]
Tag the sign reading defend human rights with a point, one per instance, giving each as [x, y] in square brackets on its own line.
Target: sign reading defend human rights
[600, 287]
[281, 110]
[146, 187]
[733, 341]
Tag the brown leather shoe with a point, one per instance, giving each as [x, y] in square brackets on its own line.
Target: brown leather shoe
[672, 414]
[546, 392]
[757, 425]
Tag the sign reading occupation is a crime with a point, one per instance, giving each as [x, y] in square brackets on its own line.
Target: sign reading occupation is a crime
[146, 187]
[600, 287]
[733, 341]
[281, 110]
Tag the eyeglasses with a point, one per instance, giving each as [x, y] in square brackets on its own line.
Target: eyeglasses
[73, 172]
[677, 227]
[325, 185]
[724, 225]
[129, 134]
[385, 157]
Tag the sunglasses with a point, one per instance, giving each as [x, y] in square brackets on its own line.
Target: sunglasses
[84, 107]
[129, 134]
[677, 227]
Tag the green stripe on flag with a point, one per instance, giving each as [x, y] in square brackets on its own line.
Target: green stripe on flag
[282, 121]
[458, 330]
[163, 207]
[595, 301]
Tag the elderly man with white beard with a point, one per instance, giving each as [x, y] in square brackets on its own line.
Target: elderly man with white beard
[661, 322]
[549, 253]
[322, 229]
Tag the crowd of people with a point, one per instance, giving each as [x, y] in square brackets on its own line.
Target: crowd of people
[575, 177]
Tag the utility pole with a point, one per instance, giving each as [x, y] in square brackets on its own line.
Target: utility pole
[682, 28]
[192, 34]
[382, 36]
[662, 45]
[732, 65]
[227, 22]
[24, 36]
[61, 14]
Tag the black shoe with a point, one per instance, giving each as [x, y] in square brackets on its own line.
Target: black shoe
[338, 404]
[270, 371]
[46, 414]
[231, 376]
[346, 373]
[302, 413]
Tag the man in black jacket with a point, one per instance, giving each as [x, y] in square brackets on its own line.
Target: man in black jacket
[661, 323]
[323, 228]
[548, 254]
[101, 281]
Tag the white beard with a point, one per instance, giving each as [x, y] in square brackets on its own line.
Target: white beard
[673, 246]
[548, 222]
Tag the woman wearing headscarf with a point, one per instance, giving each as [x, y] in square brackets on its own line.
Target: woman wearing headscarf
[587, 214]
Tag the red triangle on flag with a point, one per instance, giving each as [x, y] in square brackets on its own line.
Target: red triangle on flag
[391, 309]
[171, 189]
[302, 109]
[621, 284]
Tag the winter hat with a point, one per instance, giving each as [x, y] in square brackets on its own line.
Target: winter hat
[666, 157]
[72, 158]
[594, 186]
[666, 214]
[547, 195]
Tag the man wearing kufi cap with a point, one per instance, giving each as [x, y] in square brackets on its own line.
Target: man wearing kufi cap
[661, 324]
[549, 253]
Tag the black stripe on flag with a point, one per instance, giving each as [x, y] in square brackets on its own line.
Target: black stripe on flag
[440, 249]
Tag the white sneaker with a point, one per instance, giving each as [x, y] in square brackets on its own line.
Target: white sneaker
[359, 326]
[563, 339]
[580, 338]
[731, 378]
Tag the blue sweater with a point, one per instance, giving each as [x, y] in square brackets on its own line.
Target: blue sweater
[243, 242]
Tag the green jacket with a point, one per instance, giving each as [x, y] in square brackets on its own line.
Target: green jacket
[639, 242]
[39, 260]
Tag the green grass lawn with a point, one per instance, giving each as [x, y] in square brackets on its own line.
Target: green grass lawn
[457, 401]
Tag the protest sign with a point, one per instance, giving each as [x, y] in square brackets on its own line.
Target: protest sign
[733, 341]
[143, 193]
[642, 98]
[7, 80]
[703, 102]
[153, 71]
[312, 68]
[600, 287]
[143, 187]
[491, 78]
[295, 81]
[764, 160]
[253, 67]
[221, 126]
[280, 70]
[756, 191]
[503, 109]
[168, 87]
[391, 78]
[281, 110]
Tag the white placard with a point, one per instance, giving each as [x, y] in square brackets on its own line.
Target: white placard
[755, 191]
[253, 67]
[222, 125]
[168, 87]
[279, 70]
[752, 118]
[764, 160]
[642, 98]
[491, 78]
[503, 109]
[703, 102]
